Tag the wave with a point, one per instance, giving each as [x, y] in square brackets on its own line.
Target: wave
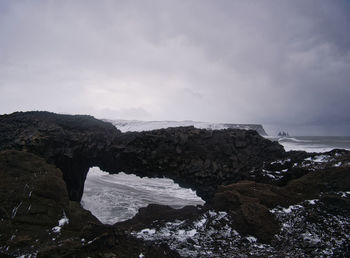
[117, 197]
[291, 139]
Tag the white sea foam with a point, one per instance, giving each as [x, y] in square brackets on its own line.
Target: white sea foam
[291, 139]
[313, 144]
[114, 198]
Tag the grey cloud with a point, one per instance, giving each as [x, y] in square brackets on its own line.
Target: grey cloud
[280, 63]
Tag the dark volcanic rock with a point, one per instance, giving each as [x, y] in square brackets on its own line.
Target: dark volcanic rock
[195, 158]
[37, 218]
[261, 201]
[33, 199]
[72, 143]
[307, 217]
[249, 203]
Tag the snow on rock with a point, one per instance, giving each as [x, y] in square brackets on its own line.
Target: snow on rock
[337, 164]
[321, 161]
[321, 158]
[200, 223]
[196, 238]
[15, 209]
[302, 235]
[344, 194]
[276, 170]
[312, 202]
[251, 239]
[281, 162]
[63, 221]
[148, 231]
[274, 175]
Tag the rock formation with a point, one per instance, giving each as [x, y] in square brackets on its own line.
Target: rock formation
[306, 218]
[38, 219]
[138, 126]
[261, 200]
[194, 158]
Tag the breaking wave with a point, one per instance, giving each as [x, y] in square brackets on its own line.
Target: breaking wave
[118, 197]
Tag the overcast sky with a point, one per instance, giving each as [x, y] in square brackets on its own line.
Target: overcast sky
[284, 64]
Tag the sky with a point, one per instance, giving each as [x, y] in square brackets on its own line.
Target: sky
[283, 64]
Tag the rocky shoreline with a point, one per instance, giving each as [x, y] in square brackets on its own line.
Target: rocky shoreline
[260, 200]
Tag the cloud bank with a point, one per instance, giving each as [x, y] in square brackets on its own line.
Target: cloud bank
[285, 64]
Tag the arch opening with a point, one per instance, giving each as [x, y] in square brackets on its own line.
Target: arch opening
[117, 197]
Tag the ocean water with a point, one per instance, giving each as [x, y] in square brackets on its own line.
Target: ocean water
[313, 143]
[114, 198]
[117, 197]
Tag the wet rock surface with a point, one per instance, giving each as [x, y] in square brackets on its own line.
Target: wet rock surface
[261, 200]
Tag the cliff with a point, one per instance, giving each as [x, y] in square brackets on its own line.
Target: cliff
[139, 126]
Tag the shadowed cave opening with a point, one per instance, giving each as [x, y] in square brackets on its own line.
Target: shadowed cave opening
[117, 197]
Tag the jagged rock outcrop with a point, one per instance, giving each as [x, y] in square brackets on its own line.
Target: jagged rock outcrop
[195, 158]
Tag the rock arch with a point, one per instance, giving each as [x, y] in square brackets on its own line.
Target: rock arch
[195, 158]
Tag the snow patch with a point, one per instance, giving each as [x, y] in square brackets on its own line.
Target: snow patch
[282, 162]
[344, 194]
[251, 239]
[337, 164]
[312, 202]
[194, 238]
[15, 209]
[63, 221]
[200, 223]
[312, 238]
[327, 235]
[148, 231]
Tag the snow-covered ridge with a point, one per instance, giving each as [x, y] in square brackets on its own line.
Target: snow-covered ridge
[137, 126]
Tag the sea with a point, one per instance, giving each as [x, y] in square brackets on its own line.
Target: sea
[313, 143]
[117, 197]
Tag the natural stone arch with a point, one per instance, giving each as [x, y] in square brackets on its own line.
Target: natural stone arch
[194, 158]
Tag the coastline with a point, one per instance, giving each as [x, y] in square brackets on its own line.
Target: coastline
[253, 190]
